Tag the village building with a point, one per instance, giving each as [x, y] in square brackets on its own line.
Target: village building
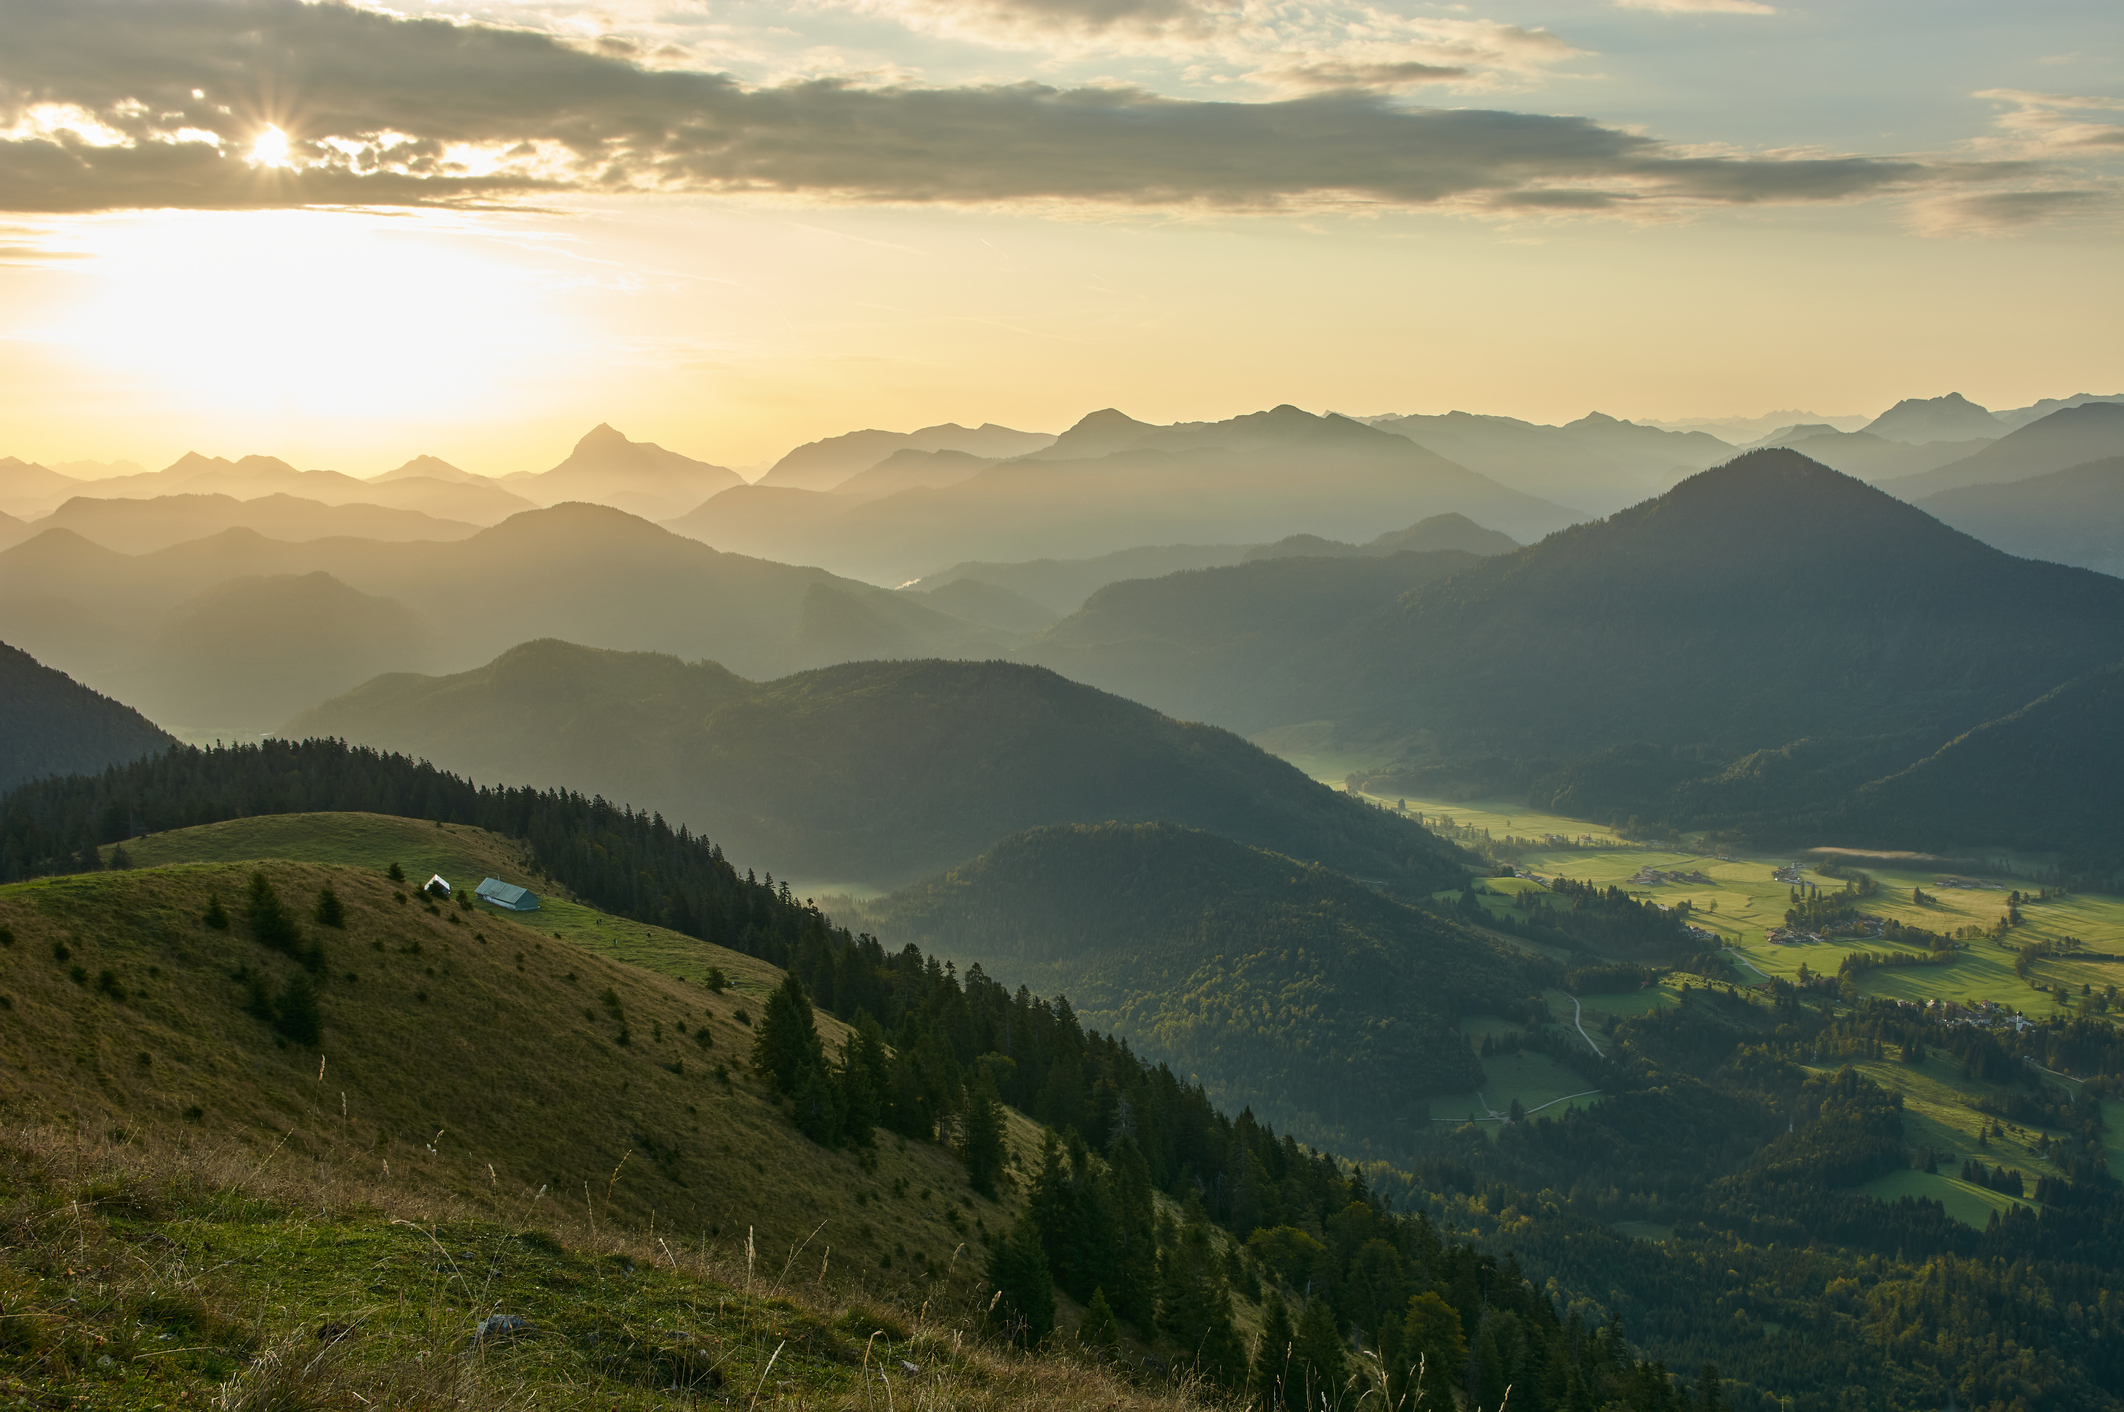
[507, 896]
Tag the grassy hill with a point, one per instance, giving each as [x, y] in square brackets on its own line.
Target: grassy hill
[479, 1088]
[51, 724]
[869, 772]
[1284, 987]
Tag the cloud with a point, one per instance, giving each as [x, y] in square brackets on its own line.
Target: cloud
[2053, 120]
[2003, 212]
[109, 104]
[1698, 7]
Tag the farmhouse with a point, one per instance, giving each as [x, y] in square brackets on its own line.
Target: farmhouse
[438, 886]
[508, 896]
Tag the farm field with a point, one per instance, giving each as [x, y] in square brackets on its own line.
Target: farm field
[1536, 1080]
[463, 855]
[1740, 900]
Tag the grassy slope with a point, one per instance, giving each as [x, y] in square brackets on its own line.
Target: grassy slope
[464, 855]
[141, 1279]
[221, 1193]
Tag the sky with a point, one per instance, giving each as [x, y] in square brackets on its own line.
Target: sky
[346, 235]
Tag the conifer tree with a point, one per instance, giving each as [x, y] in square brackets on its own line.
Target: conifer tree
[981, 1138]
[297, 1013]
[1319, 1364]
[216, 915]
[1135, 1236]
[1100, 1331]
[330, 911]
[1195, 1307]
[818, 1109]
[395, 873]
[1024, 1309]
[1269, 1380]
[785, 1041]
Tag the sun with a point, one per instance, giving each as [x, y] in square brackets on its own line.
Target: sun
[270, 149]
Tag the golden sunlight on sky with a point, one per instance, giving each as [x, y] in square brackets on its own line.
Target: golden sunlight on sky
[321, 302]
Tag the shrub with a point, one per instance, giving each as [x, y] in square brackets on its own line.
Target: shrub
[216, 915]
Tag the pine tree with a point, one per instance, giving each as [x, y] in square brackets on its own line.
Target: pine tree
[297, 1013]
[1319, 1364]
[785, 1042]
[330, 911]
[1024, 1309]
[271, 922]
[864, 1078]
[1710, 1397]
[1100, 1331]
[395, 873]
[1195, 1307]
[1269, 1380]
[981, 1138]
[216, 916]
[1135, 1236]
[818, 1109]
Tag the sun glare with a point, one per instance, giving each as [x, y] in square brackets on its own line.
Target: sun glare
[312, 314]
[270, 149]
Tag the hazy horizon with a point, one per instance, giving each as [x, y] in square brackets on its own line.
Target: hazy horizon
[731, 229]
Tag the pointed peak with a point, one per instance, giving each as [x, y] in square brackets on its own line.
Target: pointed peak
[603, 434]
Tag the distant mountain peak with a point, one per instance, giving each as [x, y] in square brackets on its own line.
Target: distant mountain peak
[602, 436]
[1917, 420]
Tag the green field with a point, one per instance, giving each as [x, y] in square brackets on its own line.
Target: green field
[1536, 1080]
[1743, 900]
[463, 855]
[1971, 1205]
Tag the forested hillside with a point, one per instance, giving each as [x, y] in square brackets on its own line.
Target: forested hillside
[1732, 1136]
[50, 724]
[1738, 653]
[867, 772]
[1281, 986]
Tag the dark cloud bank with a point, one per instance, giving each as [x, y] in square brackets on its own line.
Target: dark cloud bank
[374, 103]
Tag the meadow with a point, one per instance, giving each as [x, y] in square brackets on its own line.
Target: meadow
[463, 856]
[1742, 900]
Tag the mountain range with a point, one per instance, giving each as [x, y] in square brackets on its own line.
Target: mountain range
[1669, 660]
[1111, 482]
[1596, 464]
[2073, 516]
[830, 464]
[586, 572]
[2072, 436]
[865, 773]
[1062, 585]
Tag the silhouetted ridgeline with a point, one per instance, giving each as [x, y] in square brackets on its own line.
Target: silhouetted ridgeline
[51, 724]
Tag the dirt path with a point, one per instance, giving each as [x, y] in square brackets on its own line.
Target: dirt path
[1578, 1018]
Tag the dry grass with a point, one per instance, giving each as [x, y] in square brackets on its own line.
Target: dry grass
[143, 1276]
